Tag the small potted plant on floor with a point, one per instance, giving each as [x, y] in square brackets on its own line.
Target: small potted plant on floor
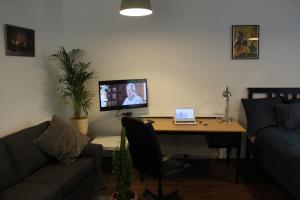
[75, 73]
[122, 169]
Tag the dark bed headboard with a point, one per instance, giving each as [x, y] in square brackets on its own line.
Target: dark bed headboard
[287, 93]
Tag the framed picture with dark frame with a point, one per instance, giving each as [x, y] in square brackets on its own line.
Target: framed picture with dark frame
[245, 42]
[19, 41]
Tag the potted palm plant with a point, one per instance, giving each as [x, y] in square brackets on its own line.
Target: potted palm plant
[75, 73]
[122, 169]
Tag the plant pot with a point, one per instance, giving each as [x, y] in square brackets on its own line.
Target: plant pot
[132, 196]
[81, 124]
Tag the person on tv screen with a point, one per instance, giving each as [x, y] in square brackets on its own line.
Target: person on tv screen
[132, 98]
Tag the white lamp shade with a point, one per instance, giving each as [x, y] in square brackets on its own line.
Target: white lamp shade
[135, 7]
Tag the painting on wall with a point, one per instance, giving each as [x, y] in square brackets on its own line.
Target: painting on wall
[19, 41]
[245, 41]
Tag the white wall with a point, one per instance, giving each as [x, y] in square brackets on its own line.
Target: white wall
[26, 87]
[184, 50]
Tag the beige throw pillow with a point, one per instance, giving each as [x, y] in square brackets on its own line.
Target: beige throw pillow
[62, 141]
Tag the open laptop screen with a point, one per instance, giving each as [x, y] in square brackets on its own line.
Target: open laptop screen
[184, 114]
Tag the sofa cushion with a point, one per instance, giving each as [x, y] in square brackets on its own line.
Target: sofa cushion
[62, 141]
[68, 176]
[8, 175]
[25, 155]
[36, 191]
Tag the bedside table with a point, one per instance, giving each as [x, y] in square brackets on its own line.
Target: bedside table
[109, 143]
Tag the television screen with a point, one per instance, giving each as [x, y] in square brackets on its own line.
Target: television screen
[122, 94]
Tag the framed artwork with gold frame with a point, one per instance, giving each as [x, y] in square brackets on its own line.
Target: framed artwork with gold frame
[245, 42]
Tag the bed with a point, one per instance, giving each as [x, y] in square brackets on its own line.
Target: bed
[277, 147]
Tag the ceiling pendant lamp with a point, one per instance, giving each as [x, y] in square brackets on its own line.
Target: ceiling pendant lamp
[135, 8]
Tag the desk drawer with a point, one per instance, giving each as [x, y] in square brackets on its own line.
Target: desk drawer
[223, 141]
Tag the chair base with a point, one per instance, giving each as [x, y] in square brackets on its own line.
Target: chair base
[171, 196]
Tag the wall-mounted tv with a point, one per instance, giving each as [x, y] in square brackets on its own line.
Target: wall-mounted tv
[123, 94]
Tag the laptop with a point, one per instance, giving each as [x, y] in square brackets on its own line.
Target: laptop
[184, 116]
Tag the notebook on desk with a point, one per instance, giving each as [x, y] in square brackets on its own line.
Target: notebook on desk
[184, 116]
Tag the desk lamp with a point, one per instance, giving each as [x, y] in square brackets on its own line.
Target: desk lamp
[227, 95]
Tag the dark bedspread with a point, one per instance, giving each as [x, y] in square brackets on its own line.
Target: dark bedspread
[279, 152]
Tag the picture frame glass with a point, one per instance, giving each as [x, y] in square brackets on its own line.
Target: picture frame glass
[19, 41]
[245, 42]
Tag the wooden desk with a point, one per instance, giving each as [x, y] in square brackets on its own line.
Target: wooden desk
[209, 125]
[218, 134]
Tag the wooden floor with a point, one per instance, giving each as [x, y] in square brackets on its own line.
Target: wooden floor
[212, 180]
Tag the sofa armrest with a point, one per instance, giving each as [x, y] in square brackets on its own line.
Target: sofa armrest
[92, 150]
[95, 151]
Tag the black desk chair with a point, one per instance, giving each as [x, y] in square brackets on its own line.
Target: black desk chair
[147, 156]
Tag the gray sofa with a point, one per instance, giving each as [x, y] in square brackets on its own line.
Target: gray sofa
[28, 173]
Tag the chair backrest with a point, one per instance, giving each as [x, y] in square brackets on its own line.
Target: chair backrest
[143, 146]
